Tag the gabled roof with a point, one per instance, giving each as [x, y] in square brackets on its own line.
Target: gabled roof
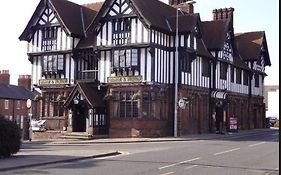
[93, 96]
[96, 6]
[250, 45]
[16, 92]
[214, 33]
[202, 49]
[73, 17]
[186, 22]
[155, 13]
[164, 19]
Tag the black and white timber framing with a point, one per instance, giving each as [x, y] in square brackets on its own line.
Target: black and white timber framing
[125, 43]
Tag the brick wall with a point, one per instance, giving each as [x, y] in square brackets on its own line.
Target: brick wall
[138, 128]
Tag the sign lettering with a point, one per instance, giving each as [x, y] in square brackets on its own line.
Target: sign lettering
[129, 79]
[45, 82]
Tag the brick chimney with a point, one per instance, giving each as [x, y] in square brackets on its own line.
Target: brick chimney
[4, 77]
[223, 13]
[183, 5]
[25, 81]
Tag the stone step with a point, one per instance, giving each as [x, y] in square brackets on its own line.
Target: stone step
[81, 136]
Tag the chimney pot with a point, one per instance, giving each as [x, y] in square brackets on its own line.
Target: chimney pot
[25, 81]
[5, 77]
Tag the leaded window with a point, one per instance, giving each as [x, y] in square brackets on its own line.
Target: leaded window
[257, 80]
[232, 74]
[245, 78]
[124, 105]
[121, 33]
[125, 61]
[223, 70]
[53, 106]
[238, 76]
[53, 64]
[205, 68]
[184, 61]
[49, 38]
[148, 104]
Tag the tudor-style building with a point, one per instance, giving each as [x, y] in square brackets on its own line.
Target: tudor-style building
[115, 65]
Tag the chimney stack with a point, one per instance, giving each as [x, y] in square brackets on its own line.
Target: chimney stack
[25, 81]
[225, 13]
[4, 77]
[184, 5]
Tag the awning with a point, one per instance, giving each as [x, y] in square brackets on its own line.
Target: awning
[219, 94]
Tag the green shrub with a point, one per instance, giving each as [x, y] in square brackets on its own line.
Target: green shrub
[10, 138]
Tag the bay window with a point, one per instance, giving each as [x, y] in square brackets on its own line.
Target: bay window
[53, 64]
[125, 60]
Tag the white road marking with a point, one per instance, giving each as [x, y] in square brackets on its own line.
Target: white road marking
[192, 166]
[227, 151]
[182, 162]
[256, 144]
[168, 173]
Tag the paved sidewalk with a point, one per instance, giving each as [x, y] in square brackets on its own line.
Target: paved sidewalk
[160, 139]
[34, 153]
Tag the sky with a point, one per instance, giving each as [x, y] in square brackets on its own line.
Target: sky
[249, 15]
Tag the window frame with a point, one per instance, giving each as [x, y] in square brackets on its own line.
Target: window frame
[206, 68]
[238, 76]
[125, 107]
[245, 78]
[257, 80]
[223, 70]
[53, 63]
[121, 31]
[49, 38]
[133, 57]
[6, 104]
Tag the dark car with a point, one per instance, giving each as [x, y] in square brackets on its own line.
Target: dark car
[272, 120]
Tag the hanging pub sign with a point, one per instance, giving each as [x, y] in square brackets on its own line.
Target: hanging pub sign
[47, 82]
[124, 79]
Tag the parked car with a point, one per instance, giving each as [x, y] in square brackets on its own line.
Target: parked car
[272, 121]
[38, 125]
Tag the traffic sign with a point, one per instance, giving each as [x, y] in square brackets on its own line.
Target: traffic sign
[28, 103]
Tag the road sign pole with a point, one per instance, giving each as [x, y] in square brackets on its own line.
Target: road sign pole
[28, 105]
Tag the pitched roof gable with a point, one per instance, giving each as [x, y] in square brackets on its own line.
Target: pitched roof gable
[250, 44]
[73, 17]
[214, 33]
[89, 92]
[163, 20]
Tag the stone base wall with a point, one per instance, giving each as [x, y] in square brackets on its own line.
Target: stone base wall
[138, 128]
[46, 135]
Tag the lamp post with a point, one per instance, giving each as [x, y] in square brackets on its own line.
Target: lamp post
[176, 77]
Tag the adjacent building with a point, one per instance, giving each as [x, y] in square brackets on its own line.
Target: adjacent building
[113, 68]
[13, 100]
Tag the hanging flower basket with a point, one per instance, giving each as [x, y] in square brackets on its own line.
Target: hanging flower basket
[38, 98]
[135, 96]
[108, 97]
[60, 98]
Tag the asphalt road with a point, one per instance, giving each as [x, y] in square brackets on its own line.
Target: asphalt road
[247, 155]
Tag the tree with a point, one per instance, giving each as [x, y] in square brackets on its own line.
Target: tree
[10, 138]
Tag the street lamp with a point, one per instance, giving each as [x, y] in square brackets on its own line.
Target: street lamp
[176, 77]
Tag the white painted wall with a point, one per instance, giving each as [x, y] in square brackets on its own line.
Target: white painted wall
[273, 104]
